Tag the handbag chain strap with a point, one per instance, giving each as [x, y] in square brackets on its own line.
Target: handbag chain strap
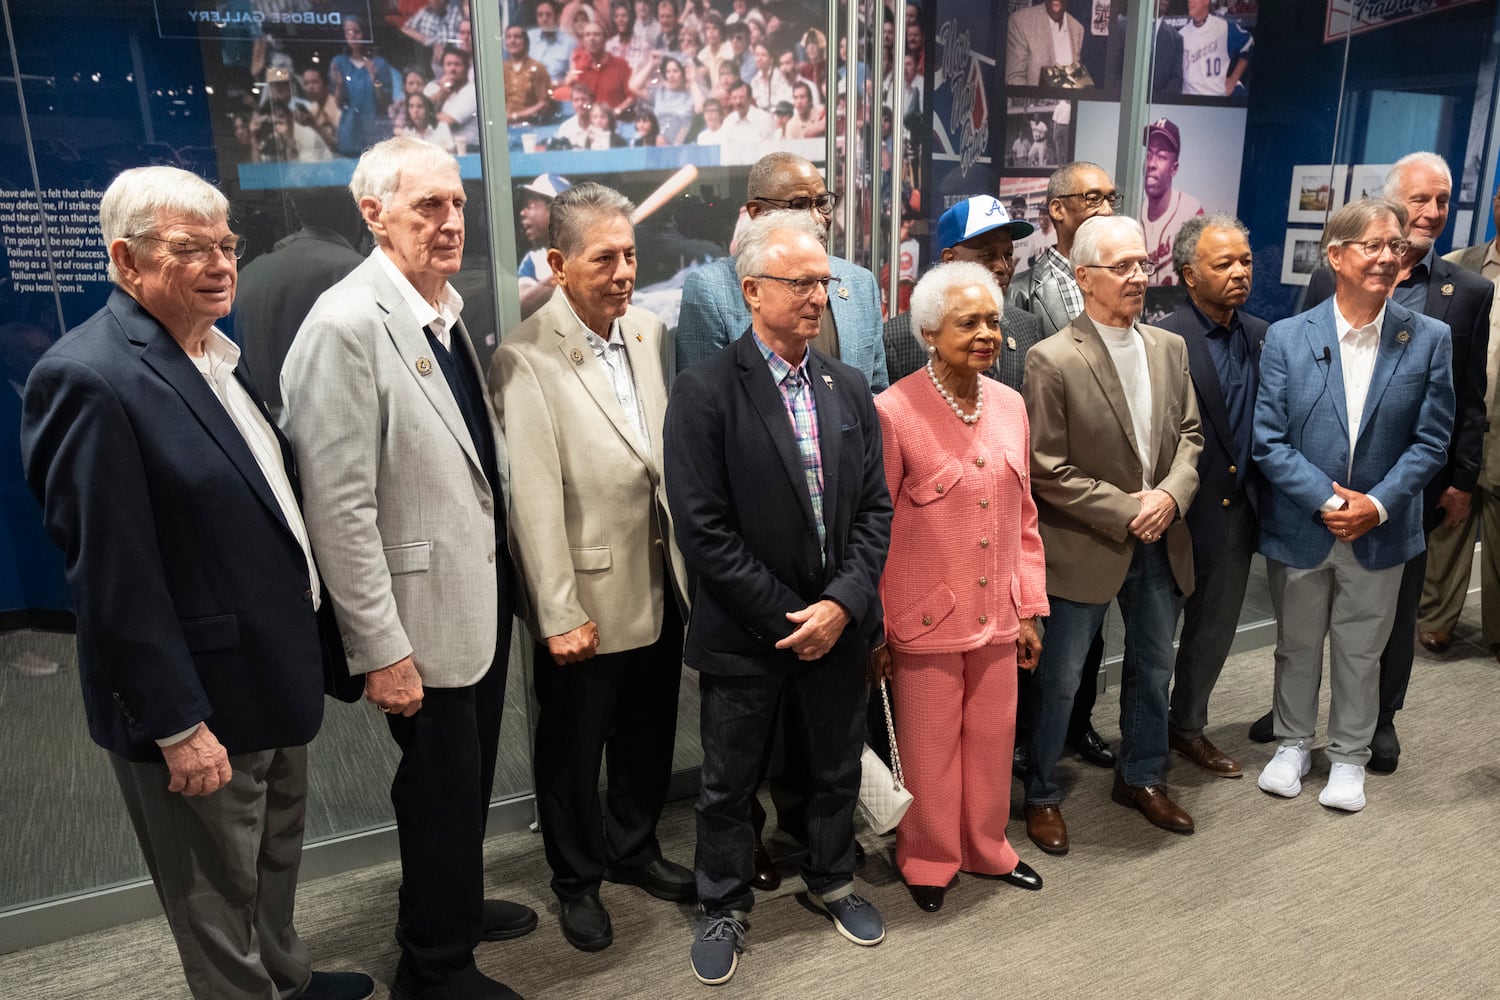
[890, 731]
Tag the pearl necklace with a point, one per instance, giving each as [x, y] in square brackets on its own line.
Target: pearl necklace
[968, 418]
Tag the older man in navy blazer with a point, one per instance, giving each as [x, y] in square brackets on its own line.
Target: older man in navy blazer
[200, 650]
[776, 484]
[1353, 418]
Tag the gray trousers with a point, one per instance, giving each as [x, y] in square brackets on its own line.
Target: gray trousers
[1209, 619]
[225, 868]
[1351, 606]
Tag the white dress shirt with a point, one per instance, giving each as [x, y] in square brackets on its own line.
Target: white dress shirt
[1358, 348]
[616, 361]
[440, 320]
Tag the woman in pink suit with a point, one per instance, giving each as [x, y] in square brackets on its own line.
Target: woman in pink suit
[963, 584]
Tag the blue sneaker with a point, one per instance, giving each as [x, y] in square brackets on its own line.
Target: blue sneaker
[717, 944]
[854, 916]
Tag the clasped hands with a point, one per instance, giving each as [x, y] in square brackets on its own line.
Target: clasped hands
[1158, 511]
[1358, 515]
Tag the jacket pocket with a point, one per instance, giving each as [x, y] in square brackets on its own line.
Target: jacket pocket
[214, 634]
[591, 558]
[411, 557]
[937, 484]
[926, 614]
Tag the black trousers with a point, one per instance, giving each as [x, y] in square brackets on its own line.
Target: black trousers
[620, 708]
[1400, 649]
[441, 794]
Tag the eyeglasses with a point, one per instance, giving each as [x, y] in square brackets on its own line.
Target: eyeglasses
[801, 287]
[1372, 248]
[1126, 268]
[1093, 199]
[196, 253]
[824, 203]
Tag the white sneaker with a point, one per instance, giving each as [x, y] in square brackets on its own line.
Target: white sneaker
[1345, 789]
[1283, 776]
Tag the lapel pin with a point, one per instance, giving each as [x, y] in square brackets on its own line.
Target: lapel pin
[1402, 337]
[1010, 342]
[639, 339]
[843, 292]
[828, 381]
[576, 355]
[1448, 288]
[424, 366]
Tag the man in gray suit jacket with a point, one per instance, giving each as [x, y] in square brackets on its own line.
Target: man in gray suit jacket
[405, 486]
[713, 308]
[1029, 41]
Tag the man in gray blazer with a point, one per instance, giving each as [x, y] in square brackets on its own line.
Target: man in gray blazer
[1031, 45]
[405, 488]
[581, 390]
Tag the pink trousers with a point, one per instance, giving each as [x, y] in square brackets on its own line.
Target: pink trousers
[955, 730]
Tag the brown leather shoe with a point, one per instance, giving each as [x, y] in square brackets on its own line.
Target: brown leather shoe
[1438, 642]
[1045, 827]
[1152, 802]
[1200, 751]
[767, 878]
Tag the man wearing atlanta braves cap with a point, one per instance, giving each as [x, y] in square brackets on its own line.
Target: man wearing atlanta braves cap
[1166, 209]
[977, 229]
[535, 274]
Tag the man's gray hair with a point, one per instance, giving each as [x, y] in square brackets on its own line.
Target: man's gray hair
[1349, 222]
[1185, 243]
[1065, 176]
[134, 198]
[378, 173]
[577, 208]
[765, 176]
[1095, 230]
[929, 300]
[1423, 159]
[756, 240]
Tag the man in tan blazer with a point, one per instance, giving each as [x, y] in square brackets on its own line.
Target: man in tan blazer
[1114, 453]
[581, 389]
[1037, 37]
[404, 480]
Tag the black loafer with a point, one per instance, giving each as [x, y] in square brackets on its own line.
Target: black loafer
[585, 923]
[929, 898]
[1385, 749]
[661, 878]
[504, 920]
[1263, 730]
[339, 986]
[1023, 877]
[1091, 747]
[465, 984]
[766, 878]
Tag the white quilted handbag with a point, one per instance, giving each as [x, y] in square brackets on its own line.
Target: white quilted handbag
[883, 798]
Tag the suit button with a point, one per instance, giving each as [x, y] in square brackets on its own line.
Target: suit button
[1224, 502]
[984, 504]
[984, 581]
[307, 596]
[926, 619]
[983, 619]
[979, 462]
[484, 505]
[490, 557]
[1233, 469]
[984, 543]
[660, 543]
[938, 488]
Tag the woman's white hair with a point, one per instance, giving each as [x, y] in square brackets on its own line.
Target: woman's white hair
[378, 173]
[133, 200]
[929, 300]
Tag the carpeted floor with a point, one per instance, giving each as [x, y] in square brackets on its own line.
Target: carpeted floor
[1270, 898]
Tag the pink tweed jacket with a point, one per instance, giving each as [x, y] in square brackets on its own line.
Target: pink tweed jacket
[966, 560]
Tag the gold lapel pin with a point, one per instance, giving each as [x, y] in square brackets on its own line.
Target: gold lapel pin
[1402, 337]
[639, 339]
[1448, 288]
[424, 366]
[828, 381]
[843, 292]
[576, 355]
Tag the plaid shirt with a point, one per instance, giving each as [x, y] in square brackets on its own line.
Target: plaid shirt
[1057, 265]
[437, 27]
[797, 393]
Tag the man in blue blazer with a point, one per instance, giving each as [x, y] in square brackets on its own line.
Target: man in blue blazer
[1213, 260]
[1353, 418]
[173, 498]
[776, 485]
[713, 309]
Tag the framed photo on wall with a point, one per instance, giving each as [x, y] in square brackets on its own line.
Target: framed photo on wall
[1300, 256]
[1316, 192]
[1038, 133]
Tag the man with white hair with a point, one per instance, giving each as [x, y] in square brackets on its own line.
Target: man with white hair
[776, 484]
[406, 475]
[1114, 452]
[167, 486]
[1422, 184]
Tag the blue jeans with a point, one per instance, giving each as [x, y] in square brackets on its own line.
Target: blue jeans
[1148, 603]
[735, 721]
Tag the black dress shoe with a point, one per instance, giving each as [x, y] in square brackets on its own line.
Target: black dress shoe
[504, 920]
[1263, 730]
[339, 986]
[466, 984]
[929, 898]
[1385, 749]
[1091, 747]
[1023, 877]
[661, 878]
[766, 878]
[585, 923]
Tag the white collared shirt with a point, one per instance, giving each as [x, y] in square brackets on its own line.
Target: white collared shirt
[441, 320]
[1358, 348]
[616, 361]
[1062, 42]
